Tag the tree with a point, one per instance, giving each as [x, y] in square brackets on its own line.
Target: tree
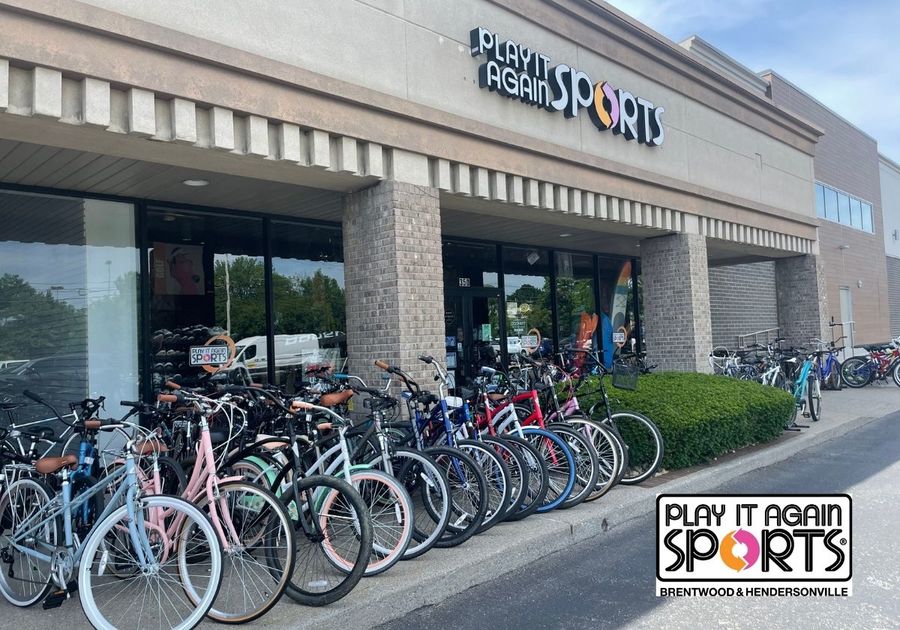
[34, 324]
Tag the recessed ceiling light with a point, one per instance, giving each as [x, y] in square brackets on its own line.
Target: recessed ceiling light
[566, 235]
[196, 183]
[169, 218]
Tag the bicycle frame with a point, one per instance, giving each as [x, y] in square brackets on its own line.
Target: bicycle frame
[65, 505]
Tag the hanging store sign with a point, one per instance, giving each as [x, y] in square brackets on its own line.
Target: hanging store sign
[518, 72]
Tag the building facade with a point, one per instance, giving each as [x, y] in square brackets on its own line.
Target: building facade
[890, 200]
[361, 180]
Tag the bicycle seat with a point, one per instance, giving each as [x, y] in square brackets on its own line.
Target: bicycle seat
[150, 445]
[335, 398]
[875, 346]
[50, 465]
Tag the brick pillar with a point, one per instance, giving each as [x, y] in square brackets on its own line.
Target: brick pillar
[393, 275]
[802, 307]
[677, 328]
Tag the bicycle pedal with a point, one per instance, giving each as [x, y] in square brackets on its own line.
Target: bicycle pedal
[55, 599]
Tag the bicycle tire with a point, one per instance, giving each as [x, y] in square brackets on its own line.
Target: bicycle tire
[518, 470]
[256, 507]
[324, 498]
[468, 490]
[497, 475]
[586, 463]
[538, 478]
[646, 438]
[391, 512]
[560, 465]
[609, 449]
[856, 372]
[814, 397]
[21, 499]
[430, 493]
[96, 554]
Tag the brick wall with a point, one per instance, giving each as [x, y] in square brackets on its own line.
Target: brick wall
[676, 324]
[742, 300]
[800, 283]
[893, 279]
[394, 281]
[847, 158]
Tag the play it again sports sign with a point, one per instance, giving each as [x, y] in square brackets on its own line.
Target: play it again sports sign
[518, 72]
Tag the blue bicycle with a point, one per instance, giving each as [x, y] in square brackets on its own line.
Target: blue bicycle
[805, 384]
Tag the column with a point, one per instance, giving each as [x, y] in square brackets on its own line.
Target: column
[802, 307]
[677, 328]
[393, 275]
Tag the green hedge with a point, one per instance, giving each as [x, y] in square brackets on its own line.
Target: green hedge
[701, 416]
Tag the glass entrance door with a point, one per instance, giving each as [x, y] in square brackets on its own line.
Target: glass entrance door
[472, 328]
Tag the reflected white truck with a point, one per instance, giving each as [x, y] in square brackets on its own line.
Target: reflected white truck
[290, 351]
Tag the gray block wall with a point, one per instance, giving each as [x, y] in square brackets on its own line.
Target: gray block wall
[893, 278]
[394, 280]
[802, 306]
[742, 300]
[677, 327]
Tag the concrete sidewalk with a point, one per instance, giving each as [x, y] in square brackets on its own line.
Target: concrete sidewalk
[443, 572]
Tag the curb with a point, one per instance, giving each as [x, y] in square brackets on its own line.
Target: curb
[442, 573]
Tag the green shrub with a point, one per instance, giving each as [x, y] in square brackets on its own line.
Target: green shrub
[700, 416]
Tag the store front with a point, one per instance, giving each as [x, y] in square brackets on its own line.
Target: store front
[504, 300]
[101, 297]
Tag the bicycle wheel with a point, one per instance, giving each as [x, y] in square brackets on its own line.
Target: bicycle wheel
[856, 372]
[586, 468]
[560, 465]
[430, 493]
[390, 509]
[258, 550]
[25, 579]
[538, 477]
[496, 473]
[643, 443]
[334, 540]
[895, 373]
[608, 450]
[833, 382]
[518, 471]
[468, 493]
[814, 397]
[174, 577]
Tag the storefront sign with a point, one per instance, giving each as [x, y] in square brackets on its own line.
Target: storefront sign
[209, 355]
[518, 72]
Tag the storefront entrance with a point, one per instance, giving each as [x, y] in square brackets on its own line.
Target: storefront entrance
[472, 328]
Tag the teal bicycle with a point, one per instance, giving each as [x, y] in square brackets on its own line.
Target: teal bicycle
[804, 384]
[133, 568]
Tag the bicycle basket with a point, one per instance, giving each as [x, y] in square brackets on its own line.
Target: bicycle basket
[625, 376]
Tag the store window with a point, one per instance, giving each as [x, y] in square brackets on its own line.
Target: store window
[575, 299]
[207, 281]
[820, 201]
[617, 308]
[308, 291]
[840, 207]
[469, 265]
[528, 298]
[69, 278]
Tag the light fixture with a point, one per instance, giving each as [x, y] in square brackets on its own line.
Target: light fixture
[842, 247]
[565, 235]
[168, 218]
[195, 183]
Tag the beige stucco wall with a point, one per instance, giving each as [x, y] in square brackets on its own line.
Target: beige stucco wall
[418, 50]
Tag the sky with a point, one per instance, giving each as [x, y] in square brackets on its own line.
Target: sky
[844, 54]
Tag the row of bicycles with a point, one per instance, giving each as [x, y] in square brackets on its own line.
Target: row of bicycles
[805, 371]
[215, 501]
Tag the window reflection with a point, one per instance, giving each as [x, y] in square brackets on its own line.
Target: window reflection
[208, 281]
[68, 300]
[527, 288]
[308, 289]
